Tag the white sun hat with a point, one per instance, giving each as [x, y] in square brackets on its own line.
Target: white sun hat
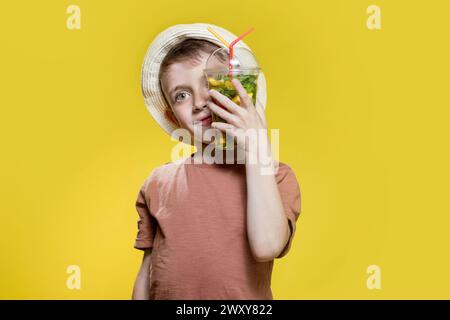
[151, 89]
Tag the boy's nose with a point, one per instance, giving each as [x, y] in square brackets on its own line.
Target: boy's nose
[198, 108]
[200, 100]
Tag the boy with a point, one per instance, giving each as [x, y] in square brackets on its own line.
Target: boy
[210, 231]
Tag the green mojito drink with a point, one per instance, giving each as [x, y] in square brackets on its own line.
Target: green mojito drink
[222, 83]
[219, 73]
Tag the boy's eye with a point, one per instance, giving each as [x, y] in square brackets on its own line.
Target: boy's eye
[180, 95]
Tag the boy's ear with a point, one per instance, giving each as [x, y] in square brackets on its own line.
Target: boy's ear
[169, 115]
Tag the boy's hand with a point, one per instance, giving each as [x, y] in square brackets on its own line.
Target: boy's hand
[241, 117]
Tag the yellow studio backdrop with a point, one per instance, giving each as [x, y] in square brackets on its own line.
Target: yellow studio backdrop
[363, 117]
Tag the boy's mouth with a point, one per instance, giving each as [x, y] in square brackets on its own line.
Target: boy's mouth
[205, 121]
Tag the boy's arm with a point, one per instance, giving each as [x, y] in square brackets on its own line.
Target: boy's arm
[267, 225]
[142, 282]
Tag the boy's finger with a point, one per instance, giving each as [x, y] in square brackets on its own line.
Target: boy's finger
[245, 99]
[225, 101]
[224, 114]
[223, 126]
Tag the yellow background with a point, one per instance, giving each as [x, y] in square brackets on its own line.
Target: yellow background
[363, 118]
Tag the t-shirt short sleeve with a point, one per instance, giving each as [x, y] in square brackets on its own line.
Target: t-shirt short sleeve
[146, 224]
[289, 189]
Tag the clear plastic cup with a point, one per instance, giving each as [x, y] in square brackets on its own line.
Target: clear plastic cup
[220, 70]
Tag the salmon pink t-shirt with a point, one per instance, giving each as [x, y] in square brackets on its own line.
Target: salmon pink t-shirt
[193, 217]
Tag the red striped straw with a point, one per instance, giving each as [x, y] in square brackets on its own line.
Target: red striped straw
[231, 49]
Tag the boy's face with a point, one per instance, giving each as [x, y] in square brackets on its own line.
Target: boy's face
[185, 87]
